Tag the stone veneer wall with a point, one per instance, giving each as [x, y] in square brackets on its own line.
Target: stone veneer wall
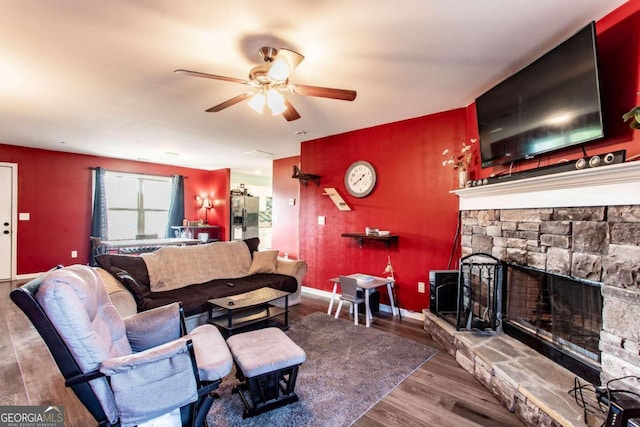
[600, 244]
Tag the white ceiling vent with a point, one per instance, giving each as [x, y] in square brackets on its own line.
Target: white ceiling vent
[259, 153]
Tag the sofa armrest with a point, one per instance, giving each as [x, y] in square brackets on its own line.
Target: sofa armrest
[296, 268]
[292, 267]
[120, 296]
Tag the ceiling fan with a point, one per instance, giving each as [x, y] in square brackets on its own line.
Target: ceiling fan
[269, 81]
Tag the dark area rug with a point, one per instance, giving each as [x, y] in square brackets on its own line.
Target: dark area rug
[348, 370]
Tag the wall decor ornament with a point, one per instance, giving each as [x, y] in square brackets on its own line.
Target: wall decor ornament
[460, 162]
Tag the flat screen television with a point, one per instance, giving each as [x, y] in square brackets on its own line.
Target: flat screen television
[551, 104]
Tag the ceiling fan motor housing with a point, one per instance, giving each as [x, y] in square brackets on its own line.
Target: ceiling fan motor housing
[259, 73]
[268, 53]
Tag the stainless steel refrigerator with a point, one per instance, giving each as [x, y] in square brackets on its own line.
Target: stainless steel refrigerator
[245, 213]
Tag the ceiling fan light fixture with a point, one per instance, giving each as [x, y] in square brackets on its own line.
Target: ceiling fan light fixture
[257, 102]
[278, 109]
[279, 71]
[275, 101]
[283, 65]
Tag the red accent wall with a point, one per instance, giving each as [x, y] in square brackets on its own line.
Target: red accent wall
[411, 199]
[56, 189]
[284, 216]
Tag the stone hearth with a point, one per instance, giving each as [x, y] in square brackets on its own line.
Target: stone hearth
[524, 381]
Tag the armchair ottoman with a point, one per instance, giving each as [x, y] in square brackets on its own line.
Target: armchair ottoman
[267, 363]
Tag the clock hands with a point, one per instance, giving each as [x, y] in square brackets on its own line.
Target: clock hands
[359, 179]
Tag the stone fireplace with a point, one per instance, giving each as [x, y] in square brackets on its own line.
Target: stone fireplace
[582, 225]
[598, 242]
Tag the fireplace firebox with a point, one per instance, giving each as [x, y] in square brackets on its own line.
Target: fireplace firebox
[559, 316]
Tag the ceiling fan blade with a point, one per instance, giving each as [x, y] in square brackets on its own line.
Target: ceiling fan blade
[324, 92]
[211, 76]
[290, 114]
[230, 102]
[283, 65]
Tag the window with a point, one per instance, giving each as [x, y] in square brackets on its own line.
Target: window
[137, 205]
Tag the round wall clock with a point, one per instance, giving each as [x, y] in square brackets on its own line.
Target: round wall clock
[360, 178]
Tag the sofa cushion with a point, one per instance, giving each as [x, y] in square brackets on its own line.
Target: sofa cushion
[138, 291]
[194, 298]
[252, 244]
[264, 262]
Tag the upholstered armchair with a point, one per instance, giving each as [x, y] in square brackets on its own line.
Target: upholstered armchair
[125, 371]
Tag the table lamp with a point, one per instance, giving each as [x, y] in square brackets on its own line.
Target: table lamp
[206, 204]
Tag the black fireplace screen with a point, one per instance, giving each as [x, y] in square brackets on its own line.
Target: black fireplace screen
[480, 293]
[561, 310]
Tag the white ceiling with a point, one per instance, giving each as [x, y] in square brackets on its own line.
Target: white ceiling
[96, 77]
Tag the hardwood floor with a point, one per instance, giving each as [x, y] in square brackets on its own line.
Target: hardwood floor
[439, 393]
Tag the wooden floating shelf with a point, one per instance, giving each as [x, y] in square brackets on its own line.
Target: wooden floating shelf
[361, 237]
[306, 177]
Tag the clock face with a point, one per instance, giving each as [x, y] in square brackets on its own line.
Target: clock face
[360, 178]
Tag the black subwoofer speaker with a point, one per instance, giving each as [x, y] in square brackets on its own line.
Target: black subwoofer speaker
[443, 290]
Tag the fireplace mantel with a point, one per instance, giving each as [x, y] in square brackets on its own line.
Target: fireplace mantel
[612, 185]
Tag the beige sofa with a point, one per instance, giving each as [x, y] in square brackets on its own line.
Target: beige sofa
[194, 274]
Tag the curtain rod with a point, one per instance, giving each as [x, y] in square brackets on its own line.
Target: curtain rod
[138, 173]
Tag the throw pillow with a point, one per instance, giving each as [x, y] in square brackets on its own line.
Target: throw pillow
[134, 265]
[252, 244]
[263, 262]
[138, 291]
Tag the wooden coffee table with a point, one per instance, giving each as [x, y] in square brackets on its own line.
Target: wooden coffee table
[249, 311]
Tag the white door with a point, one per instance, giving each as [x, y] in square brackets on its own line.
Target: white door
[7, 227]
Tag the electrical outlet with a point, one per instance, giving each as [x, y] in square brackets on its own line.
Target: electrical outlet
[74, 254]
[321, 220]
[421, 287]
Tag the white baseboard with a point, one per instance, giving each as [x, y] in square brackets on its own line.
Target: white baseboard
[28, 276]
[383, 307]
